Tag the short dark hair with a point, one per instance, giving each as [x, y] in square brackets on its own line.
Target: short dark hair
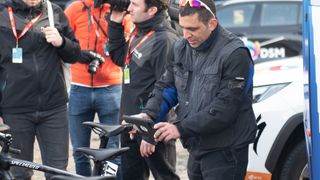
[204, 14]
[162, 5]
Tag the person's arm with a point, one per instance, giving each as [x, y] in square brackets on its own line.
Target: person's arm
[153, 105]
[69, 51]
[117, 45]
[224, 108]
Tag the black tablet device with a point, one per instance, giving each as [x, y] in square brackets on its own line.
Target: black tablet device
[143, 126]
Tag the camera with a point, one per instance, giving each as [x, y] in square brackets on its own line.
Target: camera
[93, 66]
[117, 5]
[96, 60]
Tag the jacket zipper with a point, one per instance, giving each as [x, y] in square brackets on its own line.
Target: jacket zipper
[37, 80]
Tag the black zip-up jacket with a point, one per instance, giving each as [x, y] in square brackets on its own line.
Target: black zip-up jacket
[37, 83]
[147, 62]
[214, 85]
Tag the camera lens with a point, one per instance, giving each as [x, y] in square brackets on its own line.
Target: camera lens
[93, 66]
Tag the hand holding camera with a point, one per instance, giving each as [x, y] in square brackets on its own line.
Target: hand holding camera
[94, 59]
[117, 16]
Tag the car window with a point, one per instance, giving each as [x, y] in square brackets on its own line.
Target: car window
[236, 15]
[275, 14]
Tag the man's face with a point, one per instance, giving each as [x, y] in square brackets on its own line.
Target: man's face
[32, 3]
[195, 31]
[138, 12]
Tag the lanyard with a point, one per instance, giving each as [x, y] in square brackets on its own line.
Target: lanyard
[137, 46]
[96, 28]
[13, 25]
[96, 24]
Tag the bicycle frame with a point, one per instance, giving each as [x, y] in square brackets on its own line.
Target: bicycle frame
[98, 167]
[104, 136]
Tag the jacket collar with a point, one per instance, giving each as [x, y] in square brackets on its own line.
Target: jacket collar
[156, 23]
[20, 7]
[90, 3]
[207, 43]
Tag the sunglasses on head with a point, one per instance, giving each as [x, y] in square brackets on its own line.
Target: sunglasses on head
[196, 4]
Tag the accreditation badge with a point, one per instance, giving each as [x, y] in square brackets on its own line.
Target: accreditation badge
[16, 55]
[126, 75]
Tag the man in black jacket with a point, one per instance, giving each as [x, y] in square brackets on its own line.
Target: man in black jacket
[33, 91]
[212, 71]
[143, 58]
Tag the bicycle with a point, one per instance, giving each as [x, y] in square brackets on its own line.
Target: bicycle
[6, 161]
[99, 156]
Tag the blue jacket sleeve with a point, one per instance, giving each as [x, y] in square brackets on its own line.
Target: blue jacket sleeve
[170, 99]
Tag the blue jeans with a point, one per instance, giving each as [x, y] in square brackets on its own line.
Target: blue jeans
[84, 103]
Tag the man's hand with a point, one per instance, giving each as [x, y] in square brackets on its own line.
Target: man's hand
[146, 149]
[3, 127]
[117, 16]
[166, 132]
[53, 36]
[134, 131]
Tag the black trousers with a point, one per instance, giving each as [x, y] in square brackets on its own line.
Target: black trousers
[162, 162]
[51, 130]
[229, 164]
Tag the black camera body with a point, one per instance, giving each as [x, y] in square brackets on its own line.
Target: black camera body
[93, 66]
[117, 5]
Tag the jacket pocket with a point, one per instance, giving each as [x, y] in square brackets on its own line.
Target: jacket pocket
[210, 82]
[210, 79]
[180, 78]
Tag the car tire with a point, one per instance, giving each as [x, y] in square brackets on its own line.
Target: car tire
[295, 163]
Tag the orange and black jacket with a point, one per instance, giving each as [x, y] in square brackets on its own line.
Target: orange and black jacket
[90, 27]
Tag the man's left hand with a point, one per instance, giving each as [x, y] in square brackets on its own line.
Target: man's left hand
[146, 149]
[53, 36]
[166, 132]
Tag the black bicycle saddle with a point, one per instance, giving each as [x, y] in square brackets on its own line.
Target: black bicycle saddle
[102, 154]
[109, 130]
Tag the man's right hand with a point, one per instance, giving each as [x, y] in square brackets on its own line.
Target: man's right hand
[117, 16]
[1, 121]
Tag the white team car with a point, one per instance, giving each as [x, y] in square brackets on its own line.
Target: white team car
[279, 151]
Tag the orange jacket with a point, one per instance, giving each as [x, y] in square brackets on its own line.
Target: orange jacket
[94, 39]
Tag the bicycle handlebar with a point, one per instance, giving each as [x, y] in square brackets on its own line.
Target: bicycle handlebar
[6, 141]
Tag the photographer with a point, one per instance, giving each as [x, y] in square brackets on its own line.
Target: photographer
[143, 58]
[95, 87]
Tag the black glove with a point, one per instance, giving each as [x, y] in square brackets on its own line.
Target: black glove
[87, 56]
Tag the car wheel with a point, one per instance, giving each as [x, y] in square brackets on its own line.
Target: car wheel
[295, 164]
